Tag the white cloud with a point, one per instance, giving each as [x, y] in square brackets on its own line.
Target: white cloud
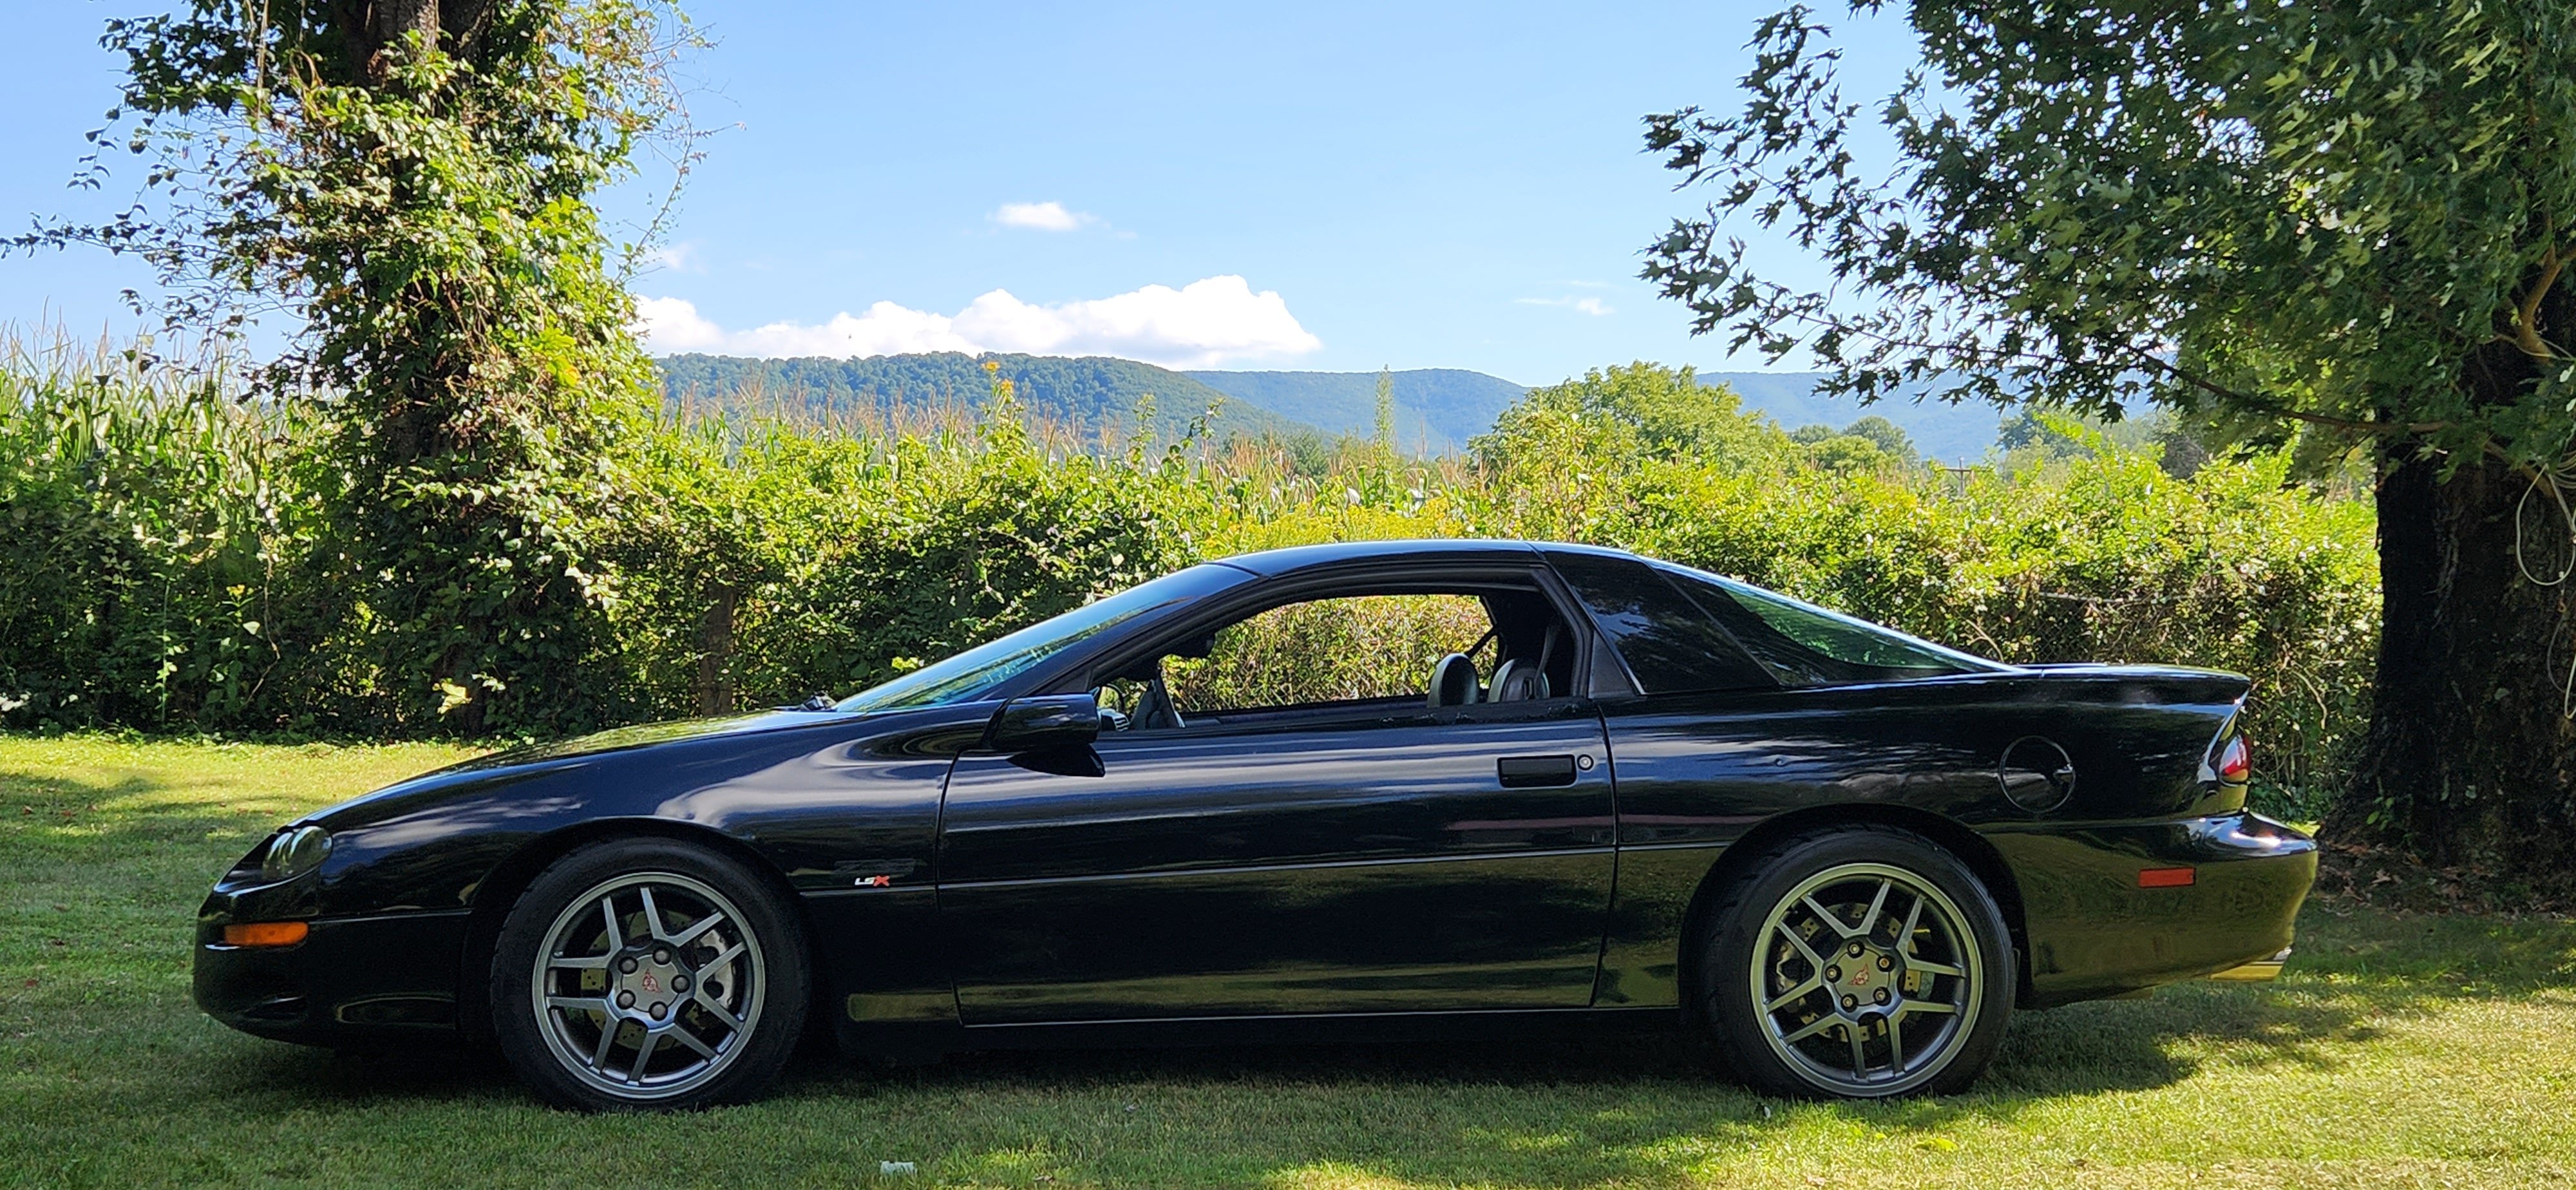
[1582, 305]
[1042, 216]
[1205, 323]
[673, 325]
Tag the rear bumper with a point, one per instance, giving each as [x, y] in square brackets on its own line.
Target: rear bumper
[2094, 931]
[355, 981]
[2258, 971]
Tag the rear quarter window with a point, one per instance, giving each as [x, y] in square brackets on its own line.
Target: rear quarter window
[1806, 645]
[1669, 642]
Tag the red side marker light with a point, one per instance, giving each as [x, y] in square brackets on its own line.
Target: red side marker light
[2164, 878]
[266, 933]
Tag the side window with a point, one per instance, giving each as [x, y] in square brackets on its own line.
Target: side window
[1808, 645]
[1349, 649]
[1669, 643]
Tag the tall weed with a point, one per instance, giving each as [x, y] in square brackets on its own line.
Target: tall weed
[146, 522]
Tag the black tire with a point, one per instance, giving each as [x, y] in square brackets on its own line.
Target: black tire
[1891, 1003]
[713, 1000]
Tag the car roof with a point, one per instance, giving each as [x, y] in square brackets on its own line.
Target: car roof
[1273, 563]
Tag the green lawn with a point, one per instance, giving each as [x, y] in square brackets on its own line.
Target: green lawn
[2406, 1051]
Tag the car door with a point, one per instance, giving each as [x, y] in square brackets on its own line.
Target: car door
[1382, 856]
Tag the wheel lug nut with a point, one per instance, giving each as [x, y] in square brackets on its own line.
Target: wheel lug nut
[1833, 975]
[679, 983]
[1854, 951]
[1885, 963]
[659, 1009]
[1882, 995]
[661, 956]
[626, 999]
[1851, 1002]
[627, 966]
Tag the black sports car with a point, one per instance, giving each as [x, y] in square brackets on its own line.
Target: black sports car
[1369, 787]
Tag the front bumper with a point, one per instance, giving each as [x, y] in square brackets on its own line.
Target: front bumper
[2095, 931]
[352, 981]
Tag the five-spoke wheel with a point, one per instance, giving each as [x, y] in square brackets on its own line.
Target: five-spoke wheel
[647, 985]
[1862, 962]
[643, 972]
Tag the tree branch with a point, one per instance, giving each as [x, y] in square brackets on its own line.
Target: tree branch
[2274, 409]
[2526, 320]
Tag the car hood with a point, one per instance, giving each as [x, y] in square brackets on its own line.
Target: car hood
[645, 735]
[637, 748]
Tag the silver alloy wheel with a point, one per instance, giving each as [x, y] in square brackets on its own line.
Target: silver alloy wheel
[648, 986]
[1866, 979]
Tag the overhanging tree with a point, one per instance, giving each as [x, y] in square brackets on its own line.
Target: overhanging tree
[2342, 226]
[409, 181]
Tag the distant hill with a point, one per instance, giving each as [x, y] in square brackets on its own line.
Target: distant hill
[1436, 409]
[1953, 434]
[1444, 407]
[1089, 392]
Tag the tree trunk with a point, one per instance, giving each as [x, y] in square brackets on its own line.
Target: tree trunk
[372, 27]
[2470, 758]
[389, 20]
[715, 652]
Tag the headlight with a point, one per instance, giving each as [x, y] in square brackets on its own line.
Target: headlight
[294, 853]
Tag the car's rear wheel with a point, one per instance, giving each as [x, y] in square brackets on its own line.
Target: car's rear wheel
[648, 974]
[1863, 962]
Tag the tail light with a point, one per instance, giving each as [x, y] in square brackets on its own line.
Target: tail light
[2234, 763]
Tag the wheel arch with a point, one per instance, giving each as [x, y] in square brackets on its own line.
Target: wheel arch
[1982, 859]
[499, 890]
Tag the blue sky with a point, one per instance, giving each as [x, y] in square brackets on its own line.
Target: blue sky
[1318, 185]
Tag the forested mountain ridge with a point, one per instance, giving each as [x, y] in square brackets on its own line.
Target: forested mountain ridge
[1088, 392]
[1436, 409]
[1954, 434]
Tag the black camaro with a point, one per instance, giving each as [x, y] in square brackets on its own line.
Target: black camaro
[1366, 787]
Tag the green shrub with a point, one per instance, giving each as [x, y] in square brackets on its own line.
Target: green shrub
[164, 571]
[762, 565]
[2105, 558]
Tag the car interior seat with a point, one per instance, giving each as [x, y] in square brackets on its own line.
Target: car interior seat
[1154, 707]
[1453, 682]
[1517, 680]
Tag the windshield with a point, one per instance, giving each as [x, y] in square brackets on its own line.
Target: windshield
[978, 671]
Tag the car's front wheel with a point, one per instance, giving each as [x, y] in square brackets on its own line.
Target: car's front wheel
[1863, 962]
[648, 974]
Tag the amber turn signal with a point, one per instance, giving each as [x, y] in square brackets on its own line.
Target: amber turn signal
[266, 933]
[2164, 878]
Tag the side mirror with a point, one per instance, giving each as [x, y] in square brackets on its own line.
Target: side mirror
[1051, 721]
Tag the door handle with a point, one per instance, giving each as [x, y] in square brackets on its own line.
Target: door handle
[1523, 772]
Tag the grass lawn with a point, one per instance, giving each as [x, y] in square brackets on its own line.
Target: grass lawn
[2399, 1050]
